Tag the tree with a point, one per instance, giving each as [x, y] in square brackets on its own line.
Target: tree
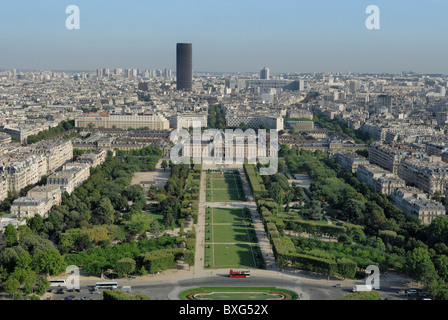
[18, 296]
[3, 273]
[104, 213]
[142, 271]
[27, 277]
[135, 193]
[353, 210]
[281, 165]
[10, 235]
[437, 231]
[155, 228]
[420, 266]
[50, 262]
[164, 165]
[125, 266]
[441, 265]
[139, 224]
[42, 286]
[276, 192]
[11, 285]
[315, 210]
[35, 223]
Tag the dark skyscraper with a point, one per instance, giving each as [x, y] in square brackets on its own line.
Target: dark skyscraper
[184, 66]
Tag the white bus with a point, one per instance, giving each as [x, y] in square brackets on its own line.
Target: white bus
[58, 283]
[106, 285]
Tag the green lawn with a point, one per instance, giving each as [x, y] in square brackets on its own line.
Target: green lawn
[228, 215]
[237, 293]
[227, 195]
[233, 256]
[158, 217]
[224, 188]
[232, 233]
[230, 240]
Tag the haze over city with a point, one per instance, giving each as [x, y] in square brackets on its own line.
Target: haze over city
[229, 36]
[223, 150]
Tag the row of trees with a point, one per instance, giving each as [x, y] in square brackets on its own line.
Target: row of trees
[62, 127]
[124, 258]
[286, 253]
[216, 118]
[408, 245]
[25, 259]
[333, 124]
[104, 209]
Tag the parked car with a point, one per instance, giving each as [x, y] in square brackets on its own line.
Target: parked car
[411, 292]
[69, 298]
[338, 285]
[85, 298]
[423, 294]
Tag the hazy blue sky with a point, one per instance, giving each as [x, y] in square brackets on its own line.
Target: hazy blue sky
[227, 35]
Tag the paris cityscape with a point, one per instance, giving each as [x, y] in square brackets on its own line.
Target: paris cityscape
[315, 167]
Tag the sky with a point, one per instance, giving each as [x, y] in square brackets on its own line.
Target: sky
[227, 35]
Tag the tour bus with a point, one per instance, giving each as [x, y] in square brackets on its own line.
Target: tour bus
[58, 283]
[106, 285]
[239, 274]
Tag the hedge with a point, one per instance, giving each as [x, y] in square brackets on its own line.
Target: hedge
[121, 295]
[346, 268]
[315, 264]
[165, 259]
[313, 227]
[255, 181]
[285, 252]
[158, 260]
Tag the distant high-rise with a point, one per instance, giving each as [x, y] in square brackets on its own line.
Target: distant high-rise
[355, 86]
[385, 100]
[264, 74]
[184, 66]
[167, 74]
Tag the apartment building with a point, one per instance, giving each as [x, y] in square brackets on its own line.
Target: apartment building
[370, 173]
[415, 202]
[28, 207]
[436, 148]
[386, 185]
[388, 156]
[188, 120]
[19, 173]
[300, 114]
[350, 160]
[51, 193]
[120, 121]
[3, 187]
[93, 159]
[57, 153]
[71, 176]
[427, 173]
[271, 122]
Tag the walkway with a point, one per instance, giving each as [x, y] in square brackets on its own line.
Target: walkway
[200, 227]
[263, 241]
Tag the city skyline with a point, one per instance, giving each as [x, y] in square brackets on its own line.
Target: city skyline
[287, 36]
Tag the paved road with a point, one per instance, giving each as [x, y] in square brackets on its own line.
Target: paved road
[167, 285]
